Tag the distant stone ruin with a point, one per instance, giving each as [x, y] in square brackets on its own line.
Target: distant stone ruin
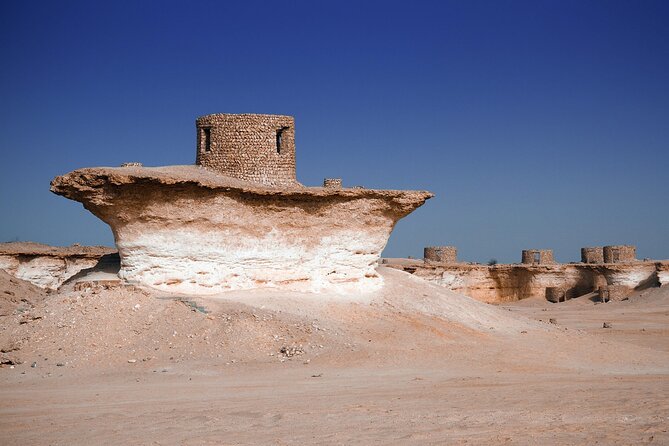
[556, 294]
[440, 254]
[332, 183]
[619, 254]
[614, 292]
[593, 254]
[609, 254]
[537, 257]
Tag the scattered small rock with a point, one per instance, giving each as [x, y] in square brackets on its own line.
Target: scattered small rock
[317, 376]
[8, 360]
[290, 351]
[33, 365]
[132, 361]
[9, 348]
[606, 325]
[60, 364]
[552, 321]
[27, 318]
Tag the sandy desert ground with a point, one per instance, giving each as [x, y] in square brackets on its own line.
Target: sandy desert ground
[410, 364]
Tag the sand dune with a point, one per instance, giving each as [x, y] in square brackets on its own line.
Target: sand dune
[411, 363]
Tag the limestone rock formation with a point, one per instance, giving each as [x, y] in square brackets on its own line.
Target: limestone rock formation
[505, 283]
[46, 266]
[192, 230]
[663, 273]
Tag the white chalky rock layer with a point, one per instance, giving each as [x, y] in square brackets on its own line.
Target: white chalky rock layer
[663, 274]
[632, 275]
[50, 266]
[183, 229]
[45, 272]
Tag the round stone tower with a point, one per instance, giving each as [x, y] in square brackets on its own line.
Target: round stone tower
[592, 254]
[619, 253]
[257, 148]
[537, 257]
[440, 254]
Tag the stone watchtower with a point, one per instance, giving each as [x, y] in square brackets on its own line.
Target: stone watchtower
[592, 254]
[440, 254]
[619, 253]
[256, 148]
[537, 257]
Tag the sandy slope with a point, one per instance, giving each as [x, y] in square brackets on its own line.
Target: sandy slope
[410, 364]
[17, 294]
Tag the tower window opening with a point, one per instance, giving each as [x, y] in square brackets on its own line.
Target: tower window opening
[279, 137]
[206, 133]
[537, 257]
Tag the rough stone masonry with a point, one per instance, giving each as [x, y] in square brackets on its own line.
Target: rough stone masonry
[256, 148]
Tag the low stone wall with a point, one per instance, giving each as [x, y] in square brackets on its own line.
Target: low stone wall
[614, 292]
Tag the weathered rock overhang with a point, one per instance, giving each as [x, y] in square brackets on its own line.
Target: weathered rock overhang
[50, 266]
[188, 229]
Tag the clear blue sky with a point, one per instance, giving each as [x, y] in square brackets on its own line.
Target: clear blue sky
[538, 124]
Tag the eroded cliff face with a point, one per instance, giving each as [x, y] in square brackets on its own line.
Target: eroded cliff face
[185, 229]
[504, 283]
[663, 273]
[49, 267]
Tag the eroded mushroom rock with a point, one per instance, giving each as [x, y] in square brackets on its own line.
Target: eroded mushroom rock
[232, 224]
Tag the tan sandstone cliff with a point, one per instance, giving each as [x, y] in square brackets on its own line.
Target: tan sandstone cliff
[510, 282]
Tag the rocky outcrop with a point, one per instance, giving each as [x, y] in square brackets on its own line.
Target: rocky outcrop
[49, 267]
[504, 283]
[663, 273]
[187, 229]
